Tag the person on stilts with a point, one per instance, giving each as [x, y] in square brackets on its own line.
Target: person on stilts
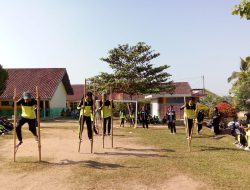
[106, 114]
[28, 105]
[190, 108]
[86, 106]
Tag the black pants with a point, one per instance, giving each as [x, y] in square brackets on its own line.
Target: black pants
[122, 122]
[216, 126]
[199, 127]
[171, 126]
[190, 126]
[105, 121]
[89, 127]
[144, 123]
[21, 122]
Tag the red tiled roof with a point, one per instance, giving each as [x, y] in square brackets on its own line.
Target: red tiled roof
[182, 88]
[78, 93]
[26, 79]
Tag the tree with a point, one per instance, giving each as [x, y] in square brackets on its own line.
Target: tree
[243, 9]
[226, 109]
[241, 85]
[133, 72]
[3, 78]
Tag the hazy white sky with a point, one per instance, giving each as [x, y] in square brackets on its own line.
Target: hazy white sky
[194, 37]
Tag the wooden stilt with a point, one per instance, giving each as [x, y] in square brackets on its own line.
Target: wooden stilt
[93, 123]
[112, 131]
[15, 118]
[38, 122]
[81, 118]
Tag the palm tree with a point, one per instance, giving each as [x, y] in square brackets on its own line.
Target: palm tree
[243, 73]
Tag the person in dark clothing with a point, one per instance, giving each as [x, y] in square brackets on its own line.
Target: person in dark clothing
[216, 121]
[86, 107]
[144, 117]
[200, 118]
[28, 105]
[106, 113]
[171, 117]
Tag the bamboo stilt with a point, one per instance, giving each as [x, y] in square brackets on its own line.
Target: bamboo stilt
[81, 117]
[93, 124]
[112, 131]
[38, 123]
[15, 118]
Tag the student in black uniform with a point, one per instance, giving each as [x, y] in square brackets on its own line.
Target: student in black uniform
[28, 105]
[106, 113]
[86, 107]
[171, 117]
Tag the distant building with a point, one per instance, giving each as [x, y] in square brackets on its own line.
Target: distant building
[159, 103]
[53, 84]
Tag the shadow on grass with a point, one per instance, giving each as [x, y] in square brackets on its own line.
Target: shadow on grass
[143, 150]
[212, 148]
[87, 163]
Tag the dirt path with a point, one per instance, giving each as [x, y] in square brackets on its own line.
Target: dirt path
[59, 155]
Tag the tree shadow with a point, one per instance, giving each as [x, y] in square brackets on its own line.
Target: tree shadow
[212, 148]
[140, 155]
[143, 150]
[87, 163]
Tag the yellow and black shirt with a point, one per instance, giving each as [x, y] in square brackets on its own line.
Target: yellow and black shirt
[28, 108]
[190, 110]
[106, 109]
[88, 107]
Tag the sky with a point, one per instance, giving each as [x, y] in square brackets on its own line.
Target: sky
[195, 38]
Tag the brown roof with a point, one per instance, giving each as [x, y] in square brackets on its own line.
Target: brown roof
[182, 88]
[26, 79]
[78, 93]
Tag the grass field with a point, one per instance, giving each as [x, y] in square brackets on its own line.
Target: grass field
[213, 160]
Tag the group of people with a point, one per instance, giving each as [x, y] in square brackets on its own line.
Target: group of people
[191, 114]
[241, 131]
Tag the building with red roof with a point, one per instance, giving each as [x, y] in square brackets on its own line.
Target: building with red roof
[53, 84]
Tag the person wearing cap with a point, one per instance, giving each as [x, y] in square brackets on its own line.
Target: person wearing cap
[105, 107]
[189, 109]
[28, 105]
[86, 107]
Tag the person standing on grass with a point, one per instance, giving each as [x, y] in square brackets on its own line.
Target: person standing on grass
[86, 107]
[132, 118]
[171, 118]
[28, 105]
[190, 108]
[144, 117]
[106, 113]
[122, 118]
[216, 121]
[200, 119]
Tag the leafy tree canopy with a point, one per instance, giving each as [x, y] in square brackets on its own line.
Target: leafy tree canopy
[243, 9]
[133, 72]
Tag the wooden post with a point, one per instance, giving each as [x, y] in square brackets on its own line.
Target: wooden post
[15, 118]
[112, 131]
[38, 122]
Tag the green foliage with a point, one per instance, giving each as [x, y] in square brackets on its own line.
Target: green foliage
[210, 99]
[243, 9]
[240, 90]
[133, 72]
[3, 78]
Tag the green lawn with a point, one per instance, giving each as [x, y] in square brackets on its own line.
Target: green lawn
[214, 160]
